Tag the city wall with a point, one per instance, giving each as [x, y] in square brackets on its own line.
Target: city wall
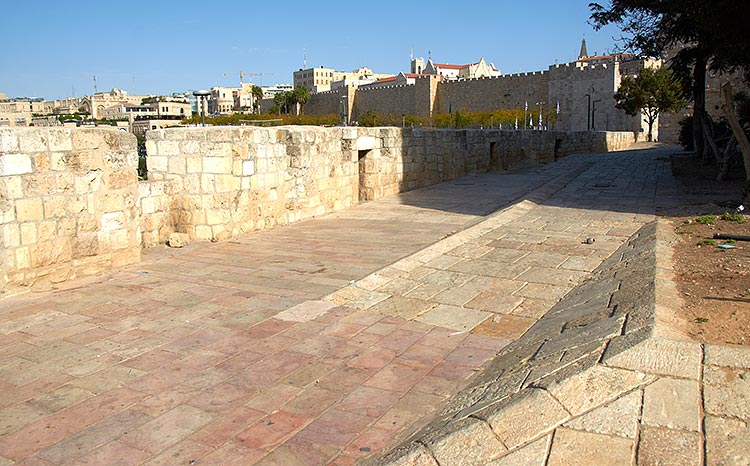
[68, 205]
[487, 94]
[71, 204]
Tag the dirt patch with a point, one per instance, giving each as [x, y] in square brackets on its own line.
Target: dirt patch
[712, 275]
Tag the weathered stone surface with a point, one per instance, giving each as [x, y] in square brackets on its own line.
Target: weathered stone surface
[727, 391]
[672, 403]
[727, 441]
[306, 311]
[617, 418]
[667, 447]
[728, 355]
[453, 317]
[178, 240]
[584, 448]
[468, 442]
[533, 454]
[527, 415]
[594, 387]
[659, 356]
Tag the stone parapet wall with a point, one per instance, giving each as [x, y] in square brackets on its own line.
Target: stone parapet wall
[71, 203]
[227, 181]
[68, 205]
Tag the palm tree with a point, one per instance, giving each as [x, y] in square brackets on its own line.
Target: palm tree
[300, 96]
[257, 94]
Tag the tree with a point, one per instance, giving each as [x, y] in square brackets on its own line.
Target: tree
[300, 96]
[257, 94]
[652, 92]
[708, 33]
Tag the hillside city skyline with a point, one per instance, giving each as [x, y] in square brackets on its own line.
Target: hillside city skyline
[515, 38]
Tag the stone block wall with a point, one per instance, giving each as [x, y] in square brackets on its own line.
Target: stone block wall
[71, 203]
[68, 205]
[487, 94]
[223, 182]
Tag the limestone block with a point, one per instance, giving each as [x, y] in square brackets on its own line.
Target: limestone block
[148, 206]
[168, 148]
[29, 210]
[177, 165]
[11, 235]
[8, 140]
[658, 356]
[55, 206]
[15, 164]
[728, 355]
[28, 233]
[50, 252]
[89, 182]
[727, 441]
[659, 446]
[527, 415]
[194, 164]
[59, 140]
[150, 147]
[157, 163]
[11, 187]
[217, 165]
[727, 391]
[112, 221]
[584, 448]
[672, 403]
[47, 230]
[248, 168]
[178, 240]
[189, 146]
[119, 239]
[594, 387]
[226, 183]
[203, 232]
[22, 258]
[88, 138]
[85, 244]
[467, 442]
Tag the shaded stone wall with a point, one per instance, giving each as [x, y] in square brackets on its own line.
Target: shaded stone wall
[68, 205]
[502, 92]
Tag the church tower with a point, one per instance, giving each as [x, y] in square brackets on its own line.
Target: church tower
[584, 53]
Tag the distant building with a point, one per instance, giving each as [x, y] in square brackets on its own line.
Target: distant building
[96, 103]
[321, 79]
[402, 79]
[270, 91]
[480, 69]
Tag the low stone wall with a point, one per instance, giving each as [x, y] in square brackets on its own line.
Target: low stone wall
[71, 204]
[68, 205]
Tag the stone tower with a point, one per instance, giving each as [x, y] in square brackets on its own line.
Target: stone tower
[584, 53]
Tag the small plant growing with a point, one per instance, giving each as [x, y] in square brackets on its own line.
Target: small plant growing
[700, 320]
[730, 241]
[707, 242]
[739, 218]
[706, 220]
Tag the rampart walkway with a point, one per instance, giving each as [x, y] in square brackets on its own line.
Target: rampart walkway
[328, 340]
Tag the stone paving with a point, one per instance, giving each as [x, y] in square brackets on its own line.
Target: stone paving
[327, 341]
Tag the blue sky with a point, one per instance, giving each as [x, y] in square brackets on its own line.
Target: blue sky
[52, 48]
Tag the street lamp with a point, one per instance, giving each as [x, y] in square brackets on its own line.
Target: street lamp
[343, 110]
[203, 95]
[588, 113]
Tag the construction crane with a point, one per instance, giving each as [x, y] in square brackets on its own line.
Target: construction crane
[243, 74]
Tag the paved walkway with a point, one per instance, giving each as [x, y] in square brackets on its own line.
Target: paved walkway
[322, 342]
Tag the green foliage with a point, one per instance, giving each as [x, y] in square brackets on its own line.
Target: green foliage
[707, 242]
[460, 119]
[652, 92]
[706, 220]
[243, 119]
[739, 218]
[700, 320]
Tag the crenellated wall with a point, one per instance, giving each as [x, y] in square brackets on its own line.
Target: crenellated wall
[71, 204]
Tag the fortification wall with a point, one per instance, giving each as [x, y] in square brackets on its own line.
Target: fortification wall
[486, 94]
[71, 203]
[396, 100]
[229, 181]
[68, 205]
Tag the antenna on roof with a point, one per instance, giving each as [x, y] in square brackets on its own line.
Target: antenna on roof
[94, 84]
[411, 53]
[304, 59]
